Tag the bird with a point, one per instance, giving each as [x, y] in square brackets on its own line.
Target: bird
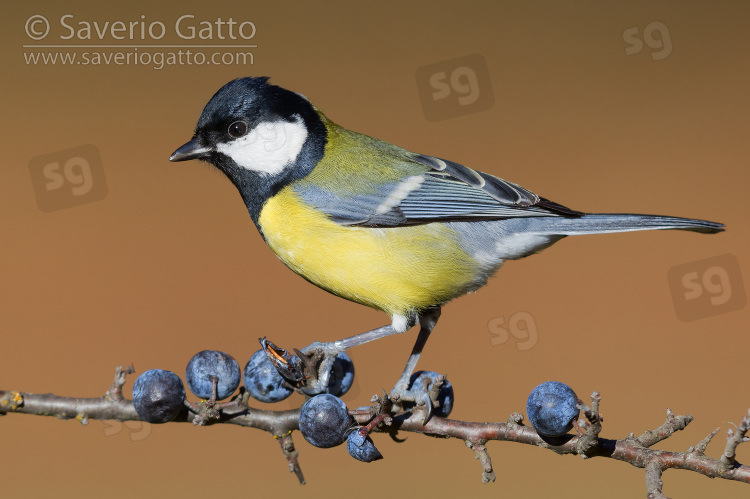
[376, 224]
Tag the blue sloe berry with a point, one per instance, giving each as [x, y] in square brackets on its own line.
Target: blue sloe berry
[262, 381]
[342, 375]
[552, 408]
[324, 420]
[158, 395]
[213, 363]
[362, 448]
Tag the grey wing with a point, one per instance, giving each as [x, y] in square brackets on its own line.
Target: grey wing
[447, 192]
[501, 190]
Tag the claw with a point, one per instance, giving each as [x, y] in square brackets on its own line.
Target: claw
[426, 392]
[319, 375]
[429, 410]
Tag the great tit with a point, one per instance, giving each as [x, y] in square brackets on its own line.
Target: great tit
[374, 223]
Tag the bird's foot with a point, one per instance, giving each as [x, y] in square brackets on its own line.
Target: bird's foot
[424, 392]
[307, 370]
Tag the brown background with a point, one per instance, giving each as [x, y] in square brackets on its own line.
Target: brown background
[168, 263]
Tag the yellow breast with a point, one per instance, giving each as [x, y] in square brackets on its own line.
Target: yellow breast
[397, 270]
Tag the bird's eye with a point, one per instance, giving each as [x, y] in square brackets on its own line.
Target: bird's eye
[238, 129]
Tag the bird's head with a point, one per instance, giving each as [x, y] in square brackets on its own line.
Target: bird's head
[257, 133]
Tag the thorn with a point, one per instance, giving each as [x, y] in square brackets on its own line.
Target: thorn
[703, 444]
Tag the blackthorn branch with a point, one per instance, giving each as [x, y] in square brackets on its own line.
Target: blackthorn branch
[380, 417]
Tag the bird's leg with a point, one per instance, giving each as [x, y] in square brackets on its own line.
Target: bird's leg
[427, 322]
[401, 392]
[327, 352]
[318, 357]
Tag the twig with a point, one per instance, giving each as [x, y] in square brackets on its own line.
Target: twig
[291, 454]
[673, 423]
[734, 438]
[588, 443]
[480, 453]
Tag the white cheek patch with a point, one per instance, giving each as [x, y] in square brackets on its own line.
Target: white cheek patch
[269, 147]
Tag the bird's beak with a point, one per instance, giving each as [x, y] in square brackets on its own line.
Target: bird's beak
[190, 150]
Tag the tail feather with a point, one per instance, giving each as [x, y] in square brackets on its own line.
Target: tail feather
[596, 223]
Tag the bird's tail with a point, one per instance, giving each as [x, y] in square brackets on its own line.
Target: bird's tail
[598, 223]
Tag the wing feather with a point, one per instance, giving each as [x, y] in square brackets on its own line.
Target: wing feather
[446, 192]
